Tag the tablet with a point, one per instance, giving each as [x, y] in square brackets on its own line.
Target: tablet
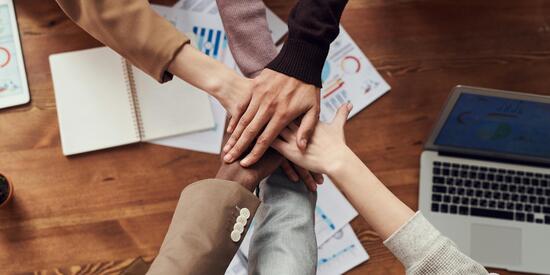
[14, 89]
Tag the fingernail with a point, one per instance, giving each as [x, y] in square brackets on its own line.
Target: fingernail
[228, 158]
[349, 106]
[303, 142]
[245, 162]
[321, 180]
[226, 148]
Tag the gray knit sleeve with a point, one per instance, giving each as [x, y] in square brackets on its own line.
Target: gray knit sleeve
[423, 250]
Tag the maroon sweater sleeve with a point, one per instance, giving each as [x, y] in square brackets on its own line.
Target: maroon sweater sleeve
[312, 26]
[248, 34]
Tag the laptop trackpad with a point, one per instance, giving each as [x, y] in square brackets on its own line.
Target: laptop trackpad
[496, 244]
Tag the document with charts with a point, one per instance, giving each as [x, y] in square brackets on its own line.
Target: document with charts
[340, 253]
[348, 76]
[332, 212]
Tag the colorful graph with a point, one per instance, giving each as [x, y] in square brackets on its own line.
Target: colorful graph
[325, 74]
[338, 53]
[325, 218]
[337, 100]
[332, 86]
[5, 57]
[211, 42]
[336, 255]
[7, 85]
[350, 65]
[369, 85]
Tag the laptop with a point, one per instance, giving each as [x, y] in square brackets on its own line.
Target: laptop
[485, 177]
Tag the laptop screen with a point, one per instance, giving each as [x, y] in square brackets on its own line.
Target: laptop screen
[500, 125]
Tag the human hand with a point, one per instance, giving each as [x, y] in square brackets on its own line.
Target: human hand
[295, 173]
[276, 101]
[250, 177]
[235, 95]
[326, 149]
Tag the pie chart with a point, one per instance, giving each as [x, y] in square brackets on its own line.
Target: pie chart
[351, 65]
[5, 57]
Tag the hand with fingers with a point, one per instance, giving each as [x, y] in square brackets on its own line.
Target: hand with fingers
[296, 173]
[276, 101]
[326, 146]
[250, 177]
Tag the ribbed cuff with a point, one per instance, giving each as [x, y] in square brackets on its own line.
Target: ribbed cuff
[413, 241]
[301, 60]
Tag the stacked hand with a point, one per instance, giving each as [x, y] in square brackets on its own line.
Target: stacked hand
[260, 109]
[271, 101]
[276, 101]
[250, 177]
[326, 149]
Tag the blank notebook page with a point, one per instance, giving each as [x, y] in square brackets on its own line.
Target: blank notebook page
[171, 108]
[93, 105]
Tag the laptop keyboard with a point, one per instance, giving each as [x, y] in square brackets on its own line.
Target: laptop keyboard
[491, 193]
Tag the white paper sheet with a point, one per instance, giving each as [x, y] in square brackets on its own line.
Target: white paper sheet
[209, 141]
[333, 211]
[348, 76]
[340, 253]
[276, 25]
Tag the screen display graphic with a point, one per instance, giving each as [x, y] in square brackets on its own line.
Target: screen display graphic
[10, 81]
[496, 124]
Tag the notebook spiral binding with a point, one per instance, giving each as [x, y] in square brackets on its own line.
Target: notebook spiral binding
[134, 100]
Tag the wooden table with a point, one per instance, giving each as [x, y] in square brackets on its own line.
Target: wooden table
[98, 211]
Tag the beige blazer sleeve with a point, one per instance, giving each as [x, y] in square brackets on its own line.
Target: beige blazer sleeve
[131, 28]
[199, 238]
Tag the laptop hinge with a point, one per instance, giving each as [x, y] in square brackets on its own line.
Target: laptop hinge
[495, 159]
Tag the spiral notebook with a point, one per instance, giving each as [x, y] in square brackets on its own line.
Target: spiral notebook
[103, 101]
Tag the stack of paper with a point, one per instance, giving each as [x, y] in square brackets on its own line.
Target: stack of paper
[348, 76]
[339, 250]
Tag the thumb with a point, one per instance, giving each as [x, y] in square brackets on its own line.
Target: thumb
[342, 115]
[307, 126]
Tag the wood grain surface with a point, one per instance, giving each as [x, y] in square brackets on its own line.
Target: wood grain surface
[95, 213]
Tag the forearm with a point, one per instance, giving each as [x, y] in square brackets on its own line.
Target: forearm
[248, 34]
[131, 28]
[204, 72]
[199, 240]
[382, 210]
[312, 26]
[422, 249]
